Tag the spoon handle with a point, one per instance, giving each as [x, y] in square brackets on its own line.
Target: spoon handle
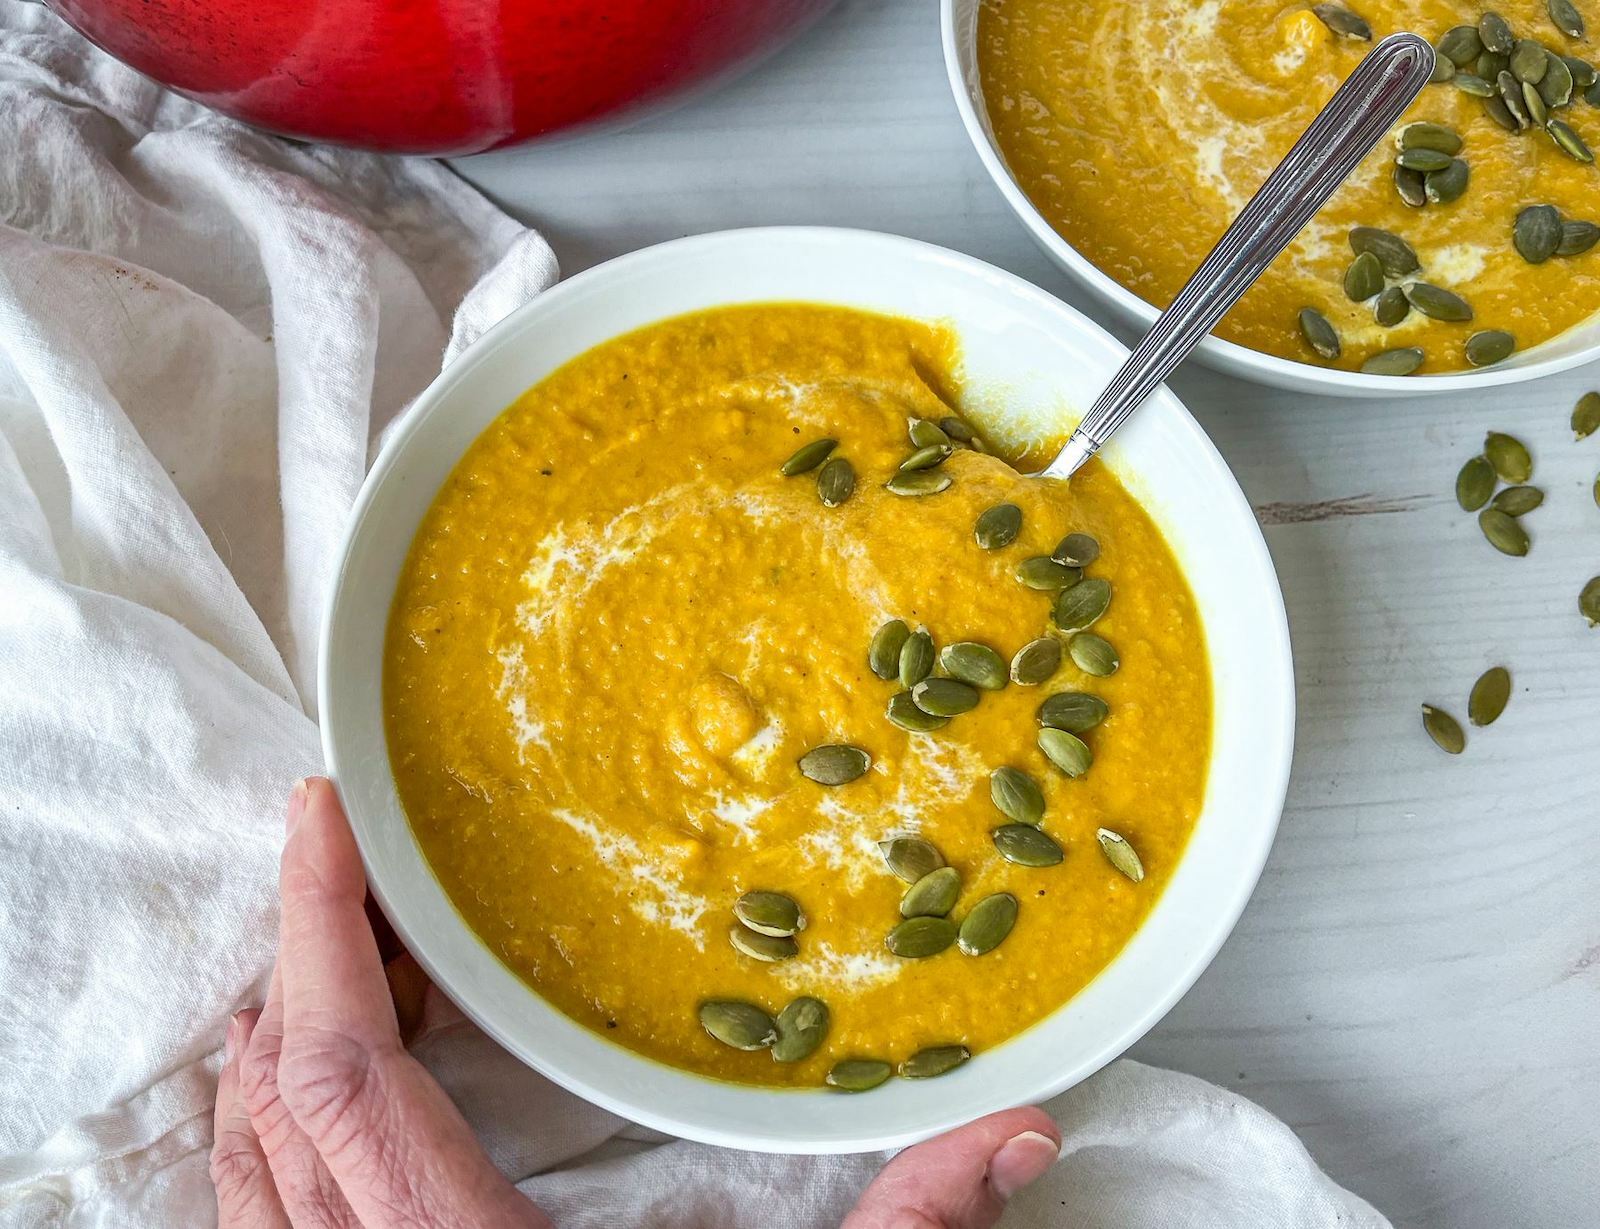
[1355, 119]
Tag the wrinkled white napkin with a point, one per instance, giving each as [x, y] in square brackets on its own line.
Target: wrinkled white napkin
[202, 332]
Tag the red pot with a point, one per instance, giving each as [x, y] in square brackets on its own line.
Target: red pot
[434, 76]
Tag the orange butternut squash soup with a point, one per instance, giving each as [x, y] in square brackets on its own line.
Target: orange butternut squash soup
[1139, 130]
[765, 723]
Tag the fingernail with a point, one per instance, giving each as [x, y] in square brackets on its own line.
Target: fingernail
[1021, 1160]
[230, 1037]
[297, 803]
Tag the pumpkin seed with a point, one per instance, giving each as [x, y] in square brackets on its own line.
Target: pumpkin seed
[1364, 277]
[1437, 303]
[915, 482]
[1510, 90]
[1489, 347]
[744, 1026]
[910, 857]
[927, 458]
[933, 1061]
[1423, 159]
[1592, 95]
[1509, 456]
[801, 1027]
[1555, 90]
[1076, 550]
[1319, 334]
[1536, 234]
[1489, 695]
[987, 924]
[1491, 64]
[998, 526]
[1589, 595]
[1016, 795]
[956, 429]
[1425, 135]
[1577, 238]
[769, 948]
[1529, 61]
[1411, 186]
[1568, 141]
[1501, 114]
[836, 482]
[974, 663]
[1082, 604]
[917, 938]
[770, 913]
[944, 697]
[1566, 18]
[1583, 73]
[1343, 22]
[903, 712]
[1073, 711]
[1093, 655]
[1471, 83]
[1474, 484]
[1066, 751]
[1394, 253]
[883, 654]
[808, 457]
[1533, 100]
[1025, 845]
[1518, 500]
[1444, 68]
[1503, 532]
[1036, 662]
[858, 1074]
[934, 895]
[1443, 187]
[1391, 307]
[1121, 854]
[916, 659]
[925, 433]
[1045, 574]
[1586, 416]
[834, 764]
[1495, 33]
[1444, 729]
[1401, 362]
[1461, 44]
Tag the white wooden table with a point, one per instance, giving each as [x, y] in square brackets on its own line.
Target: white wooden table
[1416, 984]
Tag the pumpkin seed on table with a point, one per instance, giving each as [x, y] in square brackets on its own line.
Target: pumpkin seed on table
[1437, 303]
[1036, 662]
[1529, 61]
[1555, 90]
[910, 857]
[1399, 362]
[902, 711]
[1426, 135]
[956, 429]
[933, 1061]
[1364, 277]
[836, 482]
[1510, 457]
[1411, 186]
[987, 924]
[1319, 334]
[1081, 605]
[927, 458]
[1026, 845]
[1471, 83]
[916, 482]
[744, 1026]
[918, 938]
[1342, 21]
[1510, 91]
[1583, 73]
[1568, 141]
[801, 1028]
[1073, 711]
[916, 659]
[1565, 16]
[1589, 595]
[976, 664]
[769, 948]
[1066, 751]
[1489, 696]
[944, 697]
[1536, 234]
[1489, 347]
[1016, 795]
[1396, 255]
[1121, 854]
[1577, 237]
[1045, 574]
[770, 913]
[1494, 31]
[834, 764]
[1419, 158]
[883, 654]
[1445, 186]
[1503, 532]
[1491, 64]
[1076, 550]
[934, 895]
[1093, 655]
[1461, 44]
[1586, 416]
[998, 526]
[858, 1074]
[1592, 95]
[925, 433]
[1517, 500]
[1391, 307]
[1444, 729]
[808, 457]
[1474, 484]
[1444, 68]
[1497, 110]
[1533, 102]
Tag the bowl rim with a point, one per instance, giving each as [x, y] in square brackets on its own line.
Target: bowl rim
[1226, 903]
[1217, 352]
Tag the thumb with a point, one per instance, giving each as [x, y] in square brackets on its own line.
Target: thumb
[961, 1180]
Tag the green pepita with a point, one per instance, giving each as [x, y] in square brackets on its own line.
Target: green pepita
[1394, 253]
[1424, 135]
[956, 429]
[903, 712]
[1073, 711]
[1568, 141]
[1444, 729]
[1566, 18]
[1045, 574]
[925, 433]
[934, 895]
[1016, 796]
[1448, 185]
[801, 1028]
[768, 948]
[1536, 234]
[1342, 21]
[883, 654]
[1529, 61]
[944, 697]
[1489, 347]
[1510, 90]
[1364, 277]
[1424, 160]
[927, 458]
[1518, 500]
[1036, 662]
[1081, 605]
[1583, 73]
[1318, 333]
[1076, 550]
[933, 1061]
[1509, 456]
[916, 659]
[744, 1026]
[917, 938]
[834, 764]
[1497, 110]
[1474, 484]
[1555, 90]
[1437, 303]
[1589, 595]
[1577, 238]
[1503, 532]
[1491, 64]
[1586, 416]
[1461, 45]
[1489, 695]
[910, 857]
[1444, 68]
[915, 482]
[1121, 854]
[770, 913]
[858, 1074]
[1399, 362]
[836, 482]
[987, 924]
[1093, 655]
[1411, 186]
[1391, 307]
[1471, 83]
[1026, 845]
[808, 457]
[1495, 33]
[974, 663]
[1066, 751]
[998, 526]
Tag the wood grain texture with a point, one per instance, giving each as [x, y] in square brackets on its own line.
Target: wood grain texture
[1416, 984]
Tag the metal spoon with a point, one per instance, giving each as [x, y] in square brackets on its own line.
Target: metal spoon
[1356, 118]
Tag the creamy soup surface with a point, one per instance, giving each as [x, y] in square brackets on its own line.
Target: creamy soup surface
[619, 628]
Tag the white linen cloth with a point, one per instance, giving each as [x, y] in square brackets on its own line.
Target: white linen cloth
[202, 332]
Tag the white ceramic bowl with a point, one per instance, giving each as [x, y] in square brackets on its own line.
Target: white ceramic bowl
[1029, 363]
[959, 24]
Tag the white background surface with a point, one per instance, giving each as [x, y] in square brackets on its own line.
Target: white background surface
[1415, 987]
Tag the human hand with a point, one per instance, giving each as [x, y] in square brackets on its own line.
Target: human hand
[323, 1120]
